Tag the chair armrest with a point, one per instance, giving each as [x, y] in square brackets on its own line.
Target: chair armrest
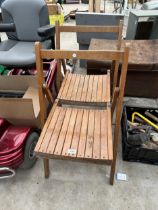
[7, 27]
[46, 31]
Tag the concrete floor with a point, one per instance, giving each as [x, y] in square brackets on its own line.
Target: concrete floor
[81, 186]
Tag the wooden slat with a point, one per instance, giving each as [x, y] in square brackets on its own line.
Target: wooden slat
[56, 132]
[71, 87]
[62, 136]
[75, 88]
[97, 132]
[104, 89]
[95, 89]
[100, 89]
[82, 54]
[90, 29]
[83, 135]
[66, 86]
[104, 145]
[107, 86]
[49, 131]
[90, 88]
[84, 130]
[85, 88]
[109, 136]
[70, 130]
[63, 85]
[90, 135]
[77, 130]
[80, 88]
[44, 131]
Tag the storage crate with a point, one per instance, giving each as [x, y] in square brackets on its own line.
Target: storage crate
[131, 152]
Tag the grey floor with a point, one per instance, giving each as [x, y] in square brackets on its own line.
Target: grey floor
[81, 186]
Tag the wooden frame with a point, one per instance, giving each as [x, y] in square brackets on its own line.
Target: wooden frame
[115, 56]
[94, 6]
[87, 29]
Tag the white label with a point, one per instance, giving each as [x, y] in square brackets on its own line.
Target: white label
[71, 151]
[122, 177]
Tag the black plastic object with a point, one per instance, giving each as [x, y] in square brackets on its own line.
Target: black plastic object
[11, 94]
[7, 27]
[47, 30]
[135, 152]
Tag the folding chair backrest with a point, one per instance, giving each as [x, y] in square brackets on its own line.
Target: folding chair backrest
[89, 29]
[113, 55]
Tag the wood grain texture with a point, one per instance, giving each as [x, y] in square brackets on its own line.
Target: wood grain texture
[86, 89]
[84, 130]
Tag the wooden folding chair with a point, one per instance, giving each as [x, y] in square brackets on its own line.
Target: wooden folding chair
[79, 125]
[87, 29]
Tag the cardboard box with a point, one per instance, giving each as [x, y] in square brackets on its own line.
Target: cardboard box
[24, 110]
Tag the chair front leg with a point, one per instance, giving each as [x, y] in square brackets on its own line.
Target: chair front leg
[46, 167]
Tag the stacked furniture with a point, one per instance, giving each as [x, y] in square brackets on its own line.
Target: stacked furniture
[79, 125]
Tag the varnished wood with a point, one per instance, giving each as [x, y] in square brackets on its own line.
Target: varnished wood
[39, 67]
[94, 6]
[87, 130]
[85, 89]
[119, 112]
[46, 167]
[52, 9]
[82, 54]
[114, 100]
[73, 128]
[90, 29]
[48, 94]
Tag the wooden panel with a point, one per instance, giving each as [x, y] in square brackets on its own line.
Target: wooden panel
[90, 29]
[82, 54]
[80, 88]
[49, 131]
[77, 130]
[86, 89]
[109, 136]
[104, 145]
[75, 88]
[70, 130]
[101, 90]
[42, 136]
[71, 87]
[65, 86]
[90, 135]
[62, 136]
[95, 89]
[56, 132]
[97, 136]
[90, 88]
[86, 131]
[83, 135]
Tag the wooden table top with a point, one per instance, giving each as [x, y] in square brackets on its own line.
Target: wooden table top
[142, 52]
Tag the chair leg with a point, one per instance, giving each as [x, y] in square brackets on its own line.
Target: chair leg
[112, 172]
[113, 166]
[46, 167]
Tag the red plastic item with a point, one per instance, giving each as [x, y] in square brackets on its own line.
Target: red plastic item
[12, 140]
